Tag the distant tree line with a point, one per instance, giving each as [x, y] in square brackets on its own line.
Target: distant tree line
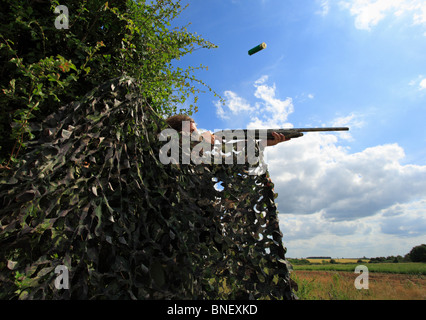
[417, 254]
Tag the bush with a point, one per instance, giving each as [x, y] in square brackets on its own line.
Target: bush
[44, 68]
[299, 261]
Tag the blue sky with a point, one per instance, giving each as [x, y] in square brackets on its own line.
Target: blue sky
[356, 63]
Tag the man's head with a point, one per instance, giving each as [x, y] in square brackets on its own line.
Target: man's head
[176, 122]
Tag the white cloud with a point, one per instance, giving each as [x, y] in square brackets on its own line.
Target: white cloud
[419, 82]
[380, 235]
[422, 84]
[235, 106]
[314, 174]
[406, 220]
[273, 109]
[268, 111]
[420, 16]
[368, 13]
[325, 8]
[351, 121]
[220, 111]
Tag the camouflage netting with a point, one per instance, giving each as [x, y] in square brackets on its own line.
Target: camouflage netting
[92, 195]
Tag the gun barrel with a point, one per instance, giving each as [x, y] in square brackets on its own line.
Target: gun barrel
[289, 133]
[318, 129]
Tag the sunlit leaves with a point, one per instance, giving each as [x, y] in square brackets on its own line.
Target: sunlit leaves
[105, 40]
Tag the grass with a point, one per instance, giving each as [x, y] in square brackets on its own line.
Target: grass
[339, 285]
[323, 280]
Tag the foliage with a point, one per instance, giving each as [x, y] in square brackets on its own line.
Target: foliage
[44, 68]
[298, 261]
[393, 259]
[418, 253]
[91, 194]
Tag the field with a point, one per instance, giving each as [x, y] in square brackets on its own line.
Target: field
[386, 281]
[401, 268]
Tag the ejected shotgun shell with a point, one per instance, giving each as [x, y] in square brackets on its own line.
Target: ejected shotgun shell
[257, 48]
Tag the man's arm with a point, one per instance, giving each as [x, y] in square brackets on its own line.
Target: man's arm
[278, 138]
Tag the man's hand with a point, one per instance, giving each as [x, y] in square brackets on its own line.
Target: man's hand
[278, 138]
[209, 137]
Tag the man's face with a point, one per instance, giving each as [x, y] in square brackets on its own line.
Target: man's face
[193, 127]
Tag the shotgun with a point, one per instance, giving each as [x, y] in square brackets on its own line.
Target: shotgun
[288, 133]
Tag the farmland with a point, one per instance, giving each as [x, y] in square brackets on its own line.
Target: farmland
[335, 281]
[400, 268]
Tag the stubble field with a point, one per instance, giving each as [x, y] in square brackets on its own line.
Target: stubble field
[386, 281]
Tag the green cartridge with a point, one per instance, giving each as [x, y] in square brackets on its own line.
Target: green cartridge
[257, 48]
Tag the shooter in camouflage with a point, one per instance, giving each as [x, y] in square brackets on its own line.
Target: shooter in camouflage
[176, 123]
